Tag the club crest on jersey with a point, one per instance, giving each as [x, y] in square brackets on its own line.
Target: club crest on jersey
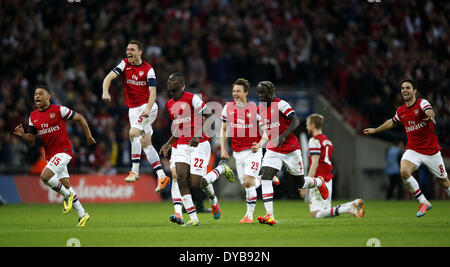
[416, 111]
[141, 73]
[52, 115]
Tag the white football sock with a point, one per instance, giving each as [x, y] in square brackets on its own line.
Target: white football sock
[413, 187]
[267, 194]
[154, 160]
[189, 207]
[176, 197]
[136, 150]
[311, 182]
[57, 186]
[77, 204]
[251, 196]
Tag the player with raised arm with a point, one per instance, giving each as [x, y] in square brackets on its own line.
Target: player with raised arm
[48, 121]
[418, 119]
[193, 150]
[279, 121]
[241, 118]
[139, 83]
[321, 150]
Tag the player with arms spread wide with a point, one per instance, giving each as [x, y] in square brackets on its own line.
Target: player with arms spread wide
[279, 122]
[139, 83]
[418, 119]
[49, 122]
[321, 150]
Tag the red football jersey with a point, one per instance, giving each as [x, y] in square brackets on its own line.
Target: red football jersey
[135, 81]
[322, 146]
[276, 122]
[420, 134]
[50, 125]
[187, 120]
[243, 125]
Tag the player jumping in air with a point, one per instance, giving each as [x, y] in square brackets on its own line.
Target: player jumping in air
[139, 83]
[418, 119]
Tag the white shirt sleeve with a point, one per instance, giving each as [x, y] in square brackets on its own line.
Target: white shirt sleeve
[30, 123]
[314, 146]
[396, 119]
[224, 113]
[285, 108]
[151, 74]
[66, 113]
[424, 104]
[119, 68]
[198, 104]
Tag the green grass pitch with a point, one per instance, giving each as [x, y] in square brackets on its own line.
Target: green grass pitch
[146, 224]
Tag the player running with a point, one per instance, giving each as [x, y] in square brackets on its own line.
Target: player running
[283, 148]
[193, 150]
[418, 119]
[139, 83]
[49, 122]
[320, 150]
[241, 118]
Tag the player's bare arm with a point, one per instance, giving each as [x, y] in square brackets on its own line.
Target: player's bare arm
[106, 83]
[430, 115]
[27, 137]
[314, 165]
[383, 127]
[151, 101]
[294, 123]
[84, 125]
[261, 143]
[223, 142]
[167, 146]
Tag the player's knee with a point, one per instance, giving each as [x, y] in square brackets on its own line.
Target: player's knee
[134, 133]
[248, 183]
[405, 173]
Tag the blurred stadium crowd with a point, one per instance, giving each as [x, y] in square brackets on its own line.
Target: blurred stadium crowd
[354, 52]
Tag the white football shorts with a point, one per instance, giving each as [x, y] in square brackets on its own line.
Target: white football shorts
[434, 163]
[141, 123]
[197, 157]
[58, 165]
[292, 161]
[316, 202]
[247, 163]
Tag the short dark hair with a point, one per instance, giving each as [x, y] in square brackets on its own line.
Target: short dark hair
[178, 76]
[45, 87]
[244, 83]
[139, 44]
[411, 81]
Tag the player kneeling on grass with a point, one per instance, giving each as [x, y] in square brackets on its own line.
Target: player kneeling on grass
[320, 150]
[49, 122]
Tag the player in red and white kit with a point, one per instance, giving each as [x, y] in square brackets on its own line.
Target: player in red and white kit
[48, 121]
[321, 150]
[193, 149]
[279, 121]
[241, 118]
[418, 119]
[139, 83]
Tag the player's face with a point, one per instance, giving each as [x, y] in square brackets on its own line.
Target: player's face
[309, 126]
[133, 53]
[41, 98]
[174, 87]
[408, 92]
[239, 94]
[264, 94]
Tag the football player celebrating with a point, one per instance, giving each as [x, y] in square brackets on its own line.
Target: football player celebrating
[139, 83]
[418, 119]
[49, 122]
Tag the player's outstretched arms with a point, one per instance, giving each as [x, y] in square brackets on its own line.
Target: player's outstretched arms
[87, 132]
[28, 137]
[106, 83]
[383, 127]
